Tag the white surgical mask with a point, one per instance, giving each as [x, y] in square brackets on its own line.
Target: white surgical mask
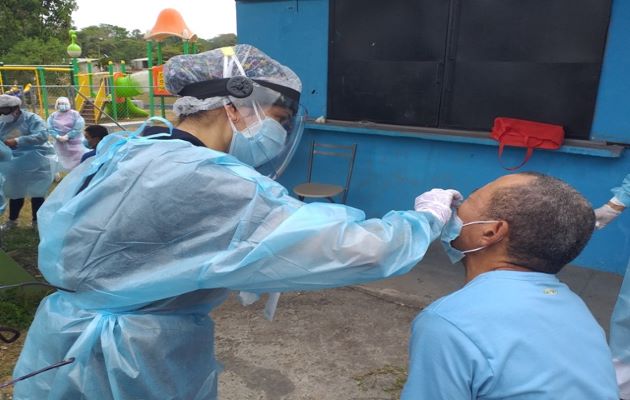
[264, 143]
[8, 118]
[451, 232]
[63, 107]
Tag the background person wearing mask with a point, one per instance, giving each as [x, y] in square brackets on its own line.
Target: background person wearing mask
[31, 170]
[66, 126]
[620, 320]
[93, 136]
[514, 331]
[153, 233]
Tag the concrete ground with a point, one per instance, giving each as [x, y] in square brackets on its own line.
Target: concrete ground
[350, 343]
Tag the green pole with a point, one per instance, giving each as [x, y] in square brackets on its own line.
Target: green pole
[91, 83]
[186, 48]
[110, 69]
[194, 47]
[42, 81]
[160, 62]
[150, 65]
[74, 51]
[123, 67]
[75, 72]
[2, 78]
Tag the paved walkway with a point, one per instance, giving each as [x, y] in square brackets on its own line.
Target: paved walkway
[349, 343]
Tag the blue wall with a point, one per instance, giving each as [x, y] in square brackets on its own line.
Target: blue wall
[391, 170]
[611, 120]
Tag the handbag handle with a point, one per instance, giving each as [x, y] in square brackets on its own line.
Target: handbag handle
[528, 155]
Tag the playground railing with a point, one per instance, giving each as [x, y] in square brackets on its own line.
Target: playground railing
[98, 103]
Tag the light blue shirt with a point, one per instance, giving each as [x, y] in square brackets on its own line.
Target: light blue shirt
[509, 335]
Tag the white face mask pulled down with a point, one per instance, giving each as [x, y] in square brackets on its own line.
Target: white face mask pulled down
[7, 118]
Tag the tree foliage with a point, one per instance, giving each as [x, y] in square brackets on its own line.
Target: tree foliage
[36, 32]
[42, 20]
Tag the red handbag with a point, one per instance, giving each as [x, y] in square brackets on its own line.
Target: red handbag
[523, 133]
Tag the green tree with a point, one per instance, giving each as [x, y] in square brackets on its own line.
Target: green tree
[223, 40]
[33, 19]
[37, 51]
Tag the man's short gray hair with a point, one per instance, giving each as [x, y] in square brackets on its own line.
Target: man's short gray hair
[549, 222]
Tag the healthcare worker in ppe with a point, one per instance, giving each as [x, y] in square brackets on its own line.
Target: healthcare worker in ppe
[152, 233]
[66, 126]
[620, 321]
[31, 169]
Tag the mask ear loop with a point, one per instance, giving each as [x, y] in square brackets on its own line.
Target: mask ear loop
[476, 223]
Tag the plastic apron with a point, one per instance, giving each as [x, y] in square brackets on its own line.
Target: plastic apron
[71, 124]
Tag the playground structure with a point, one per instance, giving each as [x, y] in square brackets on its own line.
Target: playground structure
[98, 94]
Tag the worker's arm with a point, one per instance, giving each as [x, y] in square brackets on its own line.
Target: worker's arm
[37, 132]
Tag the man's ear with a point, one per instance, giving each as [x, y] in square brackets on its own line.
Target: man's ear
[494, 232]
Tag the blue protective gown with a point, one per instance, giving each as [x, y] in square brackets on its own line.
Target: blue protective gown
[509, 335]
[152, 245]
[5, 156]
[620, 321]
[32, 168]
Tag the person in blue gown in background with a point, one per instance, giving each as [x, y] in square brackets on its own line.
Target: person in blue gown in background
[620, 321]
[31, 170]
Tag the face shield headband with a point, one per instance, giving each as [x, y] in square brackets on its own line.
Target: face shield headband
[270, 119]
[241, 87]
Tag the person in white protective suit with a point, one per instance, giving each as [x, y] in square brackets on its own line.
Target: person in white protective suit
[148, 236]
[31, 170]
[620, 320]
[66, 126]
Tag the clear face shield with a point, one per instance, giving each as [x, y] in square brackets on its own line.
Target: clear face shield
[266, 118]
[267, 127]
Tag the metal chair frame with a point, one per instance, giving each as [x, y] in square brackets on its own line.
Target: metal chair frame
[332, 150]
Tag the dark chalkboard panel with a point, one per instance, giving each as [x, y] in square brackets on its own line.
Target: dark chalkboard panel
[460, 63]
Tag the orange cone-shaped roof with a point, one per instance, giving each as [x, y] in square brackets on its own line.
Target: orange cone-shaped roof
[170, 23]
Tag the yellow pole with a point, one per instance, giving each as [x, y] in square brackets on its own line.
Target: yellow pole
[52, 69]
[39, 94]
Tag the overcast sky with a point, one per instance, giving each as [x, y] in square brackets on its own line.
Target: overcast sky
[206, 18]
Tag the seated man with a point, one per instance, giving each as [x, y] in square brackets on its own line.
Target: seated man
[514, 331]
[93, 136]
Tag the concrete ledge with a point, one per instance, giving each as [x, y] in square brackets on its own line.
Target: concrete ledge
[572, 146]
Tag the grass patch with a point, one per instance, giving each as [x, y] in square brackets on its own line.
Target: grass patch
[21, 245]
[17, 306]
[390, 379]
[17, 309]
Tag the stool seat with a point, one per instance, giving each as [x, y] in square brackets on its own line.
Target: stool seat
[322, 190]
